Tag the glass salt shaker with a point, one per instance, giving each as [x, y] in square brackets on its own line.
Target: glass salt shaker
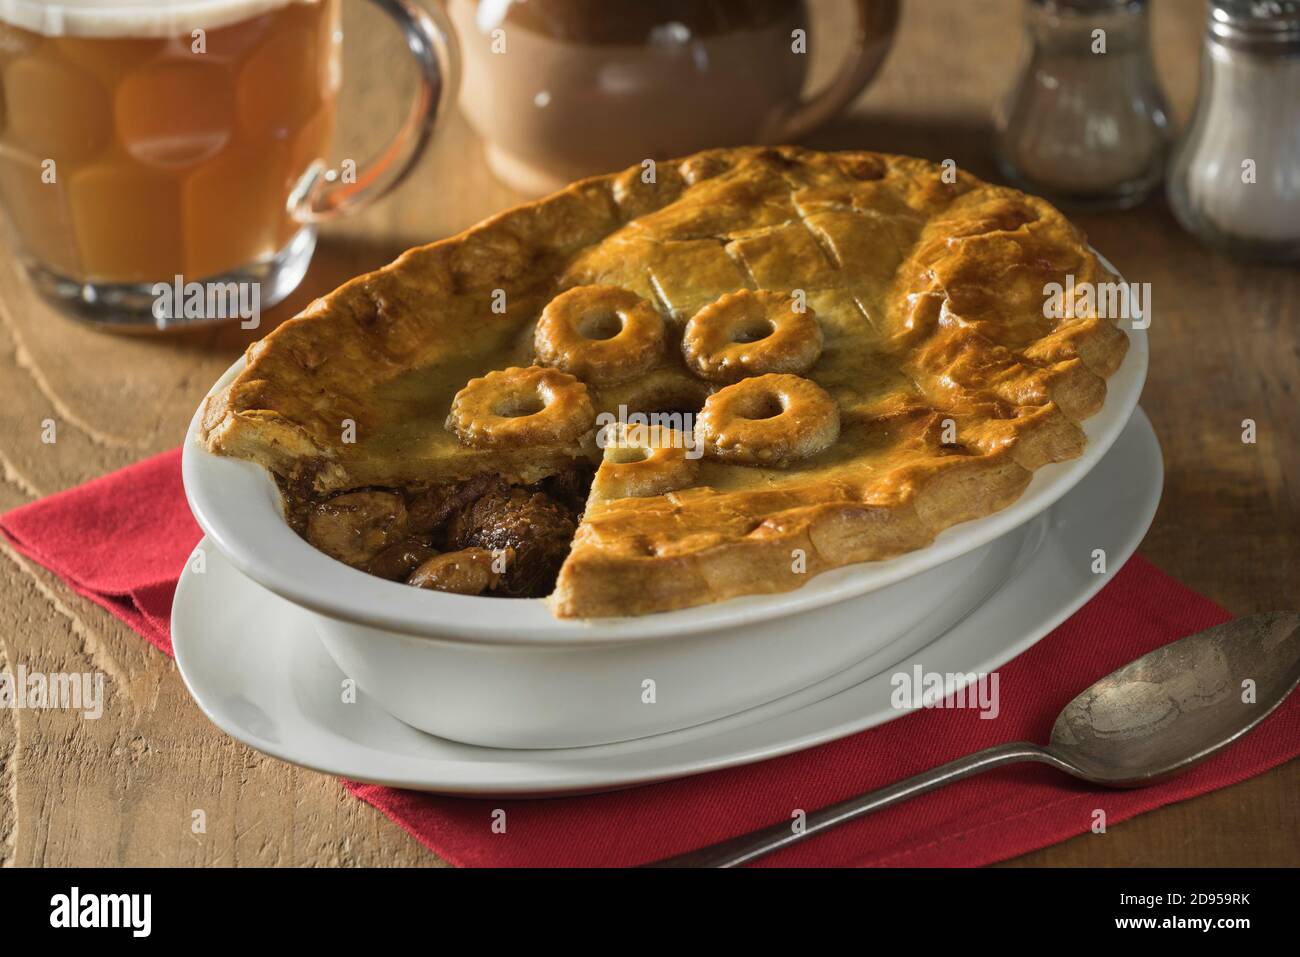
[1234, 181]
[1086, 123]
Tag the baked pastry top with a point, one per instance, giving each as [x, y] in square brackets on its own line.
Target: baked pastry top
[860, 341]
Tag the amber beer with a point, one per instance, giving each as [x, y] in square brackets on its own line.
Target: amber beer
[147, 141]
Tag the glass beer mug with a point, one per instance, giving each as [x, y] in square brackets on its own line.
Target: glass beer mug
[183, 141]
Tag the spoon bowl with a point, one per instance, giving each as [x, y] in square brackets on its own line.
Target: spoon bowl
[1174, 707]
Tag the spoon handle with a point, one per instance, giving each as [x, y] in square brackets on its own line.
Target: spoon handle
[747, 847]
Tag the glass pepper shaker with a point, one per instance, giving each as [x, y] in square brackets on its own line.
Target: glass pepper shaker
[1234, 181]
[1086, 123]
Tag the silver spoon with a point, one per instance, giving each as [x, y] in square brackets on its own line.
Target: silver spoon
[1151, 720]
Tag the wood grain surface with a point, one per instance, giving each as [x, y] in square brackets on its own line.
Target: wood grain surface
[121, 790]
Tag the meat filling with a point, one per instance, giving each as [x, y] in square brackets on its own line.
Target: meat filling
[357, 526]
[536, 526]
[476, 537]
[471, 571]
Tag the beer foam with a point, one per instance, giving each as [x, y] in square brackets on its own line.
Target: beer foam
[132, 18]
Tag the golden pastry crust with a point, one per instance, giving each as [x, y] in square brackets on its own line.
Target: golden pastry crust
[567, 334]
[772, 419]
[644, 460]
[516, 408]
[929, 295]
[750, 333]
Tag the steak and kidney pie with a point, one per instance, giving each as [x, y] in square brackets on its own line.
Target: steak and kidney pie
[682, 383]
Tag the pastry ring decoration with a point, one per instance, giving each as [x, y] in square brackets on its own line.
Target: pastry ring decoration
[517, 407]
[774, 419]
[643, 460]
[601, 334]
[752, 332]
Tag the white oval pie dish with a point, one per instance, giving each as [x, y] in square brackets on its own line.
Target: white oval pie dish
[282, 697]
[468, 668]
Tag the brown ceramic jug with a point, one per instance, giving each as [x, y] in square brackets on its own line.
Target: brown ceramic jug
[561, 89]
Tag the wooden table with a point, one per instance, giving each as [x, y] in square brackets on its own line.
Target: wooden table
[120, 791]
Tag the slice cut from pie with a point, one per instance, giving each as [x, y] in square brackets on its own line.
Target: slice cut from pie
[803, 360]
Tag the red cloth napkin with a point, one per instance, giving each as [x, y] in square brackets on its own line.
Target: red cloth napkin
[122, 540]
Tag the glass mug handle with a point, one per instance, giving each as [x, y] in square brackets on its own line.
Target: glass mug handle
[432, 41]
[872, 38]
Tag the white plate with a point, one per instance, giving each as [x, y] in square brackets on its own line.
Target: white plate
[238, 507]
[254, 665]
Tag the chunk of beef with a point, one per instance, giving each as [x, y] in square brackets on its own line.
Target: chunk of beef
[398, 560]
[357, 526]
[536, 526]
[570, 488]
[429, 509]
[470, 571]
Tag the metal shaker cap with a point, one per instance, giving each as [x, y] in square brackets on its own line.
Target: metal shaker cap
[1263, 26]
